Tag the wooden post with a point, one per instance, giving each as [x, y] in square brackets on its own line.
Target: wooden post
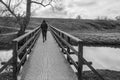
[80, 62]
[68, 49]
[59, 33]
[25, 49]
[32, 39]
[62, 42]
[62, 35]
[15, 47]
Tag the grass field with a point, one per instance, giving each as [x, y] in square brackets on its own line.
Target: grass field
[90, 31]
[107, 74]
[10, 22]
[102, 32]
[4, 30]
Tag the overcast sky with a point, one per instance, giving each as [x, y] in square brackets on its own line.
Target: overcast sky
[85, 8]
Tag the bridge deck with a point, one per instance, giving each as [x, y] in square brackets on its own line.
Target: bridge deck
[47, 63]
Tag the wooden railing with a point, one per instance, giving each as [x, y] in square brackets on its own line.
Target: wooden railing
[22, 46]
[65, 41]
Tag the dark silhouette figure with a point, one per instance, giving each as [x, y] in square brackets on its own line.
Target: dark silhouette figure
[44, 28]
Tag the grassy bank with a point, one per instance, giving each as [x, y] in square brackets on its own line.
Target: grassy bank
[4, 30]
[92, 32]
[6, 76]
[10, 22]
[99, 39]
[106, 74]
[87, 75]
[5, 41]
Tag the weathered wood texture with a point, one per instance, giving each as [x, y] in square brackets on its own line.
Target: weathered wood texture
[67, 43]
[47, 63]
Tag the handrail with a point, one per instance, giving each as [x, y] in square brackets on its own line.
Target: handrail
[21, 47]
[8, 63]
[25, 35]
[66, 34]
[60, 38]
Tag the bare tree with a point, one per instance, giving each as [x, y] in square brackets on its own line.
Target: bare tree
[117, 17]
[22, 18]
[78, 17]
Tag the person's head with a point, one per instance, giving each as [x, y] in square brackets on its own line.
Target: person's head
[44, 21]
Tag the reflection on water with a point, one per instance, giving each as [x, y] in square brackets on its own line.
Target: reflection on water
[102, 57]
[5, 55]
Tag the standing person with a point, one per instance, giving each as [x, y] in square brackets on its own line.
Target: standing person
[44, 28]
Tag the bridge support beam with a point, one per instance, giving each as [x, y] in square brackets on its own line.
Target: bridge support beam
[80, 62]
[15, 47]
[68, 49]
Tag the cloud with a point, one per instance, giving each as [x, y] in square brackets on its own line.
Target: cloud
[48, 13]
[85, 8]
[85, 3]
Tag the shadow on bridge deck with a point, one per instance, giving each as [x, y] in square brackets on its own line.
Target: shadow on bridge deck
[47, 62]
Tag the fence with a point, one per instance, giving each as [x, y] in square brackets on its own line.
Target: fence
[66, 40]
[22, 46]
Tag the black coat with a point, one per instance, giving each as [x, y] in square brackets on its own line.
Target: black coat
[44, 26]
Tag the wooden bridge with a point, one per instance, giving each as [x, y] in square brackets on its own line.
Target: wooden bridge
[35, 60]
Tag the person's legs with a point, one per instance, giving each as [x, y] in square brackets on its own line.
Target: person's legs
[43, 35]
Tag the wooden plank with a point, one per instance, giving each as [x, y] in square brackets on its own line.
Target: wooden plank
[70, 46]
[79, 54]
[68, 49]
[27, 42]
[65, 51]
[21, 62]
[15, 47]
[5, 65]
[25, 45]
[80, 62]
[47, 63]
[90, 66]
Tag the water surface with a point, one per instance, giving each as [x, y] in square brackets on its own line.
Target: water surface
[5, 55]
[101, 57]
